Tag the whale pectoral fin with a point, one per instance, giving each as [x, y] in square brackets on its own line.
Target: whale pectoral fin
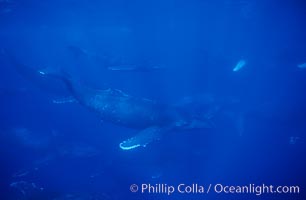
[143, 138]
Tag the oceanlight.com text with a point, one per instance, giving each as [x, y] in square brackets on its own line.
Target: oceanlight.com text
[196, 188]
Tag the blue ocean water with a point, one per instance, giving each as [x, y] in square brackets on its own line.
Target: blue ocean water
[215, 90]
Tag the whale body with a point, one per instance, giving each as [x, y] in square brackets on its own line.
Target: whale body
[150, 118]
[153, 119]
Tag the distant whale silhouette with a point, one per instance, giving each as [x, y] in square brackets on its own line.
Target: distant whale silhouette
[112, 64]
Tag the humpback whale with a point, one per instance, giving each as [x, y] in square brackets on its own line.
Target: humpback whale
[152, 119]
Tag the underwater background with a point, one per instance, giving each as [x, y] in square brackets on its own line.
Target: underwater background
[239, 65]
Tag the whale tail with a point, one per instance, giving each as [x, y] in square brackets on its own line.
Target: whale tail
[72, 86]
[46, 78]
